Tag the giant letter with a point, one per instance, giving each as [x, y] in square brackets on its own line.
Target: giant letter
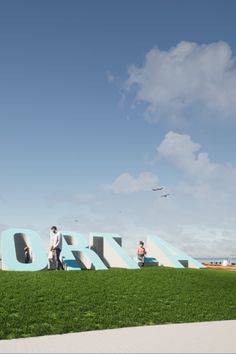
[169, 255]
[108, 247]
[77, 255]
[13, 243]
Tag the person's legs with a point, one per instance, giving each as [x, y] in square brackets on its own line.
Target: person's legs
[141, 259]
[59, 264]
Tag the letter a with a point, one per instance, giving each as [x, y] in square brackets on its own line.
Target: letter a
[169, 255]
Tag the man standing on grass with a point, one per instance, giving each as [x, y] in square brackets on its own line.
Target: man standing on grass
[56, 239]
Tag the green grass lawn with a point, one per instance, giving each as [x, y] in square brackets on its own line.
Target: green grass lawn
[40, 303]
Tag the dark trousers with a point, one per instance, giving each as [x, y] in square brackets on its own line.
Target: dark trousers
[141, 260]
[59, 264]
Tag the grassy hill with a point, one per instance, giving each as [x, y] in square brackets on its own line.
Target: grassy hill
[53, 302]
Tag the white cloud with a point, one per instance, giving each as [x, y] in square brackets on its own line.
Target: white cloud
[127, 184]
[188, 78]
[205, 194]
[184, 153]
[198, 217]
[180, 149]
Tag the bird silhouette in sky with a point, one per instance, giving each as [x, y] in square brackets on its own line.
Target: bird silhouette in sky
[157, 189]
[165, 195]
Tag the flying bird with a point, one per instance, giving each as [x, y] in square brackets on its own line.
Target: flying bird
[157, 189]
[165, 195]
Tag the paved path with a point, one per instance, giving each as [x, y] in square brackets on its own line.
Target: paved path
[203, 337]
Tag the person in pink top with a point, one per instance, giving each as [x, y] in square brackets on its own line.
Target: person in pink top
[141, 253]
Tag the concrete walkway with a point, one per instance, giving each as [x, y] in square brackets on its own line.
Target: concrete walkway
[203, 337]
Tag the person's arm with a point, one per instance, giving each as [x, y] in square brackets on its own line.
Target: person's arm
[57, 240]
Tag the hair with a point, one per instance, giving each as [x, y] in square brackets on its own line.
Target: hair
[53, 228]
[141, 243]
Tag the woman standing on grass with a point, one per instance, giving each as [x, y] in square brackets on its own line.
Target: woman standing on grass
[141, 253]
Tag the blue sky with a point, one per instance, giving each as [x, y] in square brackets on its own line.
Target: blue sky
[100, 101]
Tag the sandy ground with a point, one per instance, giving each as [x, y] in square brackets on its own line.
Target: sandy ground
[204, 337]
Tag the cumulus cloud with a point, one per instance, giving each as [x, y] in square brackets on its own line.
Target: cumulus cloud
[202, 179]
[198, 217]
[186, 79]
[125, 183]
[180, 149]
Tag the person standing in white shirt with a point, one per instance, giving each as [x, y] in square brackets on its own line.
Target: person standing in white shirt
[56, 239]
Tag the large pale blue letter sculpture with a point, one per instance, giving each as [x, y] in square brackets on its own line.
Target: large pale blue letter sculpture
[13, 257]
[169, 255]
[76, 253]
[108, 247]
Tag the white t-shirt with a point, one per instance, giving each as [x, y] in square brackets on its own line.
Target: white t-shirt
[56, 239]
